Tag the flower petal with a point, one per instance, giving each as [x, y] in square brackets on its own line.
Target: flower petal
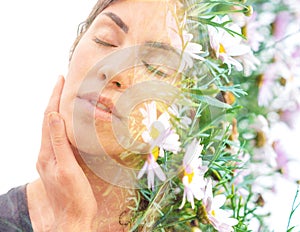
[218, 201]
[143, 170]
[158, 171]
[150, 177]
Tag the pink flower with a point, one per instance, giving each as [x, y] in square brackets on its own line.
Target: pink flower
[281, 158]
[241, 172]
[219, 218]
[253, 34]
[266, 82]
[290, 116]
[152, 168]
[159, 131]
[281, 23]
[160, 136]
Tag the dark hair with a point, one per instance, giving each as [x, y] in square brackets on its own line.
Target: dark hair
[84, 26]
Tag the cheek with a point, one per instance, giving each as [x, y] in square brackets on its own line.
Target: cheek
[82, 60]
[136, 127]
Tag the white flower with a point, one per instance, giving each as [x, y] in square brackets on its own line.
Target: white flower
[241, 173]
[226, 46]
[250, 62]
[152, 168]
[160, 136]
[189, 50]
[251, 28]
[180, 113]
[219, 218]
[269, 87]
[263, 151]
[193, 179]
[159, 131]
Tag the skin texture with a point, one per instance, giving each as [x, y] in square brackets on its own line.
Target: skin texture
[69, 196]
[135, 14]
[58, 167]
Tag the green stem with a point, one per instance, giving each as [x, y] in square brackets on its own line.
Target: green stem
[293, 209]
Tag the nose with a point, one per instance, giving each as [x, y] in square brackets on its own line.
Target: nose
[124, 79]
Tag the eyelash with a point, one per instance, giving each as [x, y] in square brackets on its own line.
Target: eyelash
[103, 43]
[154, 70]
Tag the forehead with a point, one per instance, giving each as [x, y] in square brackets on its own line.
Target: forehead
[144, 18]
[152, 6]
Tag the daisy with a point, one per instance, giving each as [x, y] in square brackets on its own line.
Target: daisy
[182, 42]
[268, 82]
[191, 50]
[161, 137]
[282, 160]
[218, 218]
[226, 46]
[180, 112]
[193, 178]
[159, 131]
[263, 151]
[281, 24]
[152, 168]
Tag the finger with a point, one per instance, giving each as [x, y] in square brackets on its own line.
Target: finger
[53, 106]
[62, 149]
[46, 151]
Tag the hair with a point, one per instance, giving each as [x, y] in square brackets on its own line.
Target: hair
[84, 26]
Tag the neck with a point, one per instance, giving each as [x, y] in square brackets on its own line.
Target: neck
[111, 194]
[112, 199]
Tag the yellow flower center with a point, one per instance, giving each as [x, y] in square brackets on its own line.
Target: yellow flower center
[260, 80]
[189, 175]
[154, 133]
[213, 213]
[245, 31]
[155, 152]
[261, 139]
[202, 215]
[222, 49]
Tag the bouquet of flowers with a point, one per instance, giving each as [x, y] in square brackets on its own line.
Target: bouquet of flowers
[212, 153]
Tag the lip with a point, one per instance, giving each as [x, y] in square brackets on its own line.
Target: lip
[99, 106]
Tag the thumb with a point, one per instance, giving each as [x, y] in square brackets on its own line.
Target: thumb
[62, 150]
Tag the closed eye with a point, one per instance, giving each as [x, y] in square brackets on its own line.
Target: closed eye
[103, 43]
[154, 70]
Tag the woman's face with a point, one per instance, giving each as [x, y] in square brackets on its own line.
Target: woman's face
[108, 61]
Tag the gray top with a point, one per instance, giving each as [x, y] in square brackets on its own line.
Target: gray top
[14, 215]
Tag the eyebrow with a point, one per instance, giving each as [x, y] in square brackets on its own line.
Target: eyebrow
[117, 20]
[161, 45]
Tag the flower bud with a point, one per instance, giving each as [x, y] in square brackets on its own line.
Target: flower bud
[248, 10]
[202, 215]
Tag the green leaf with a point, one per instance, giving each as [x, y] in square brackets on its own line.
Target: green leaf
[213, 102]
[202, 91]
[290, 229]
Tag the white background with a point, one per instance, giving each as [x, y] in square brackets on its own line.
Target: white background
[34, 47]
[35, 39]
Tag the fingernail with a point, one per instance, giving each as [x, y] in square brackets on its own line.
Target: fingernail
[54, 118]
[59, 78]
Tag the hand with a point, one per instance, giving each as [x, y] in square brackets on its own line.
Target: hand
[69, 192]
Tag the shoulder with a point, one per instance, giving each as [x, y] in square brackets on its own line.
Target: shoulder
[14, 215]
